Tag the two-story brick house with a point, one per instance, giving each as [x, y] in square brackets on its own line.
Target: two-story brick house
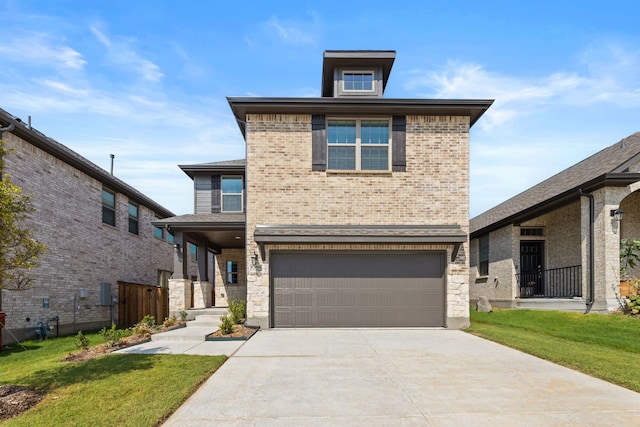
[99, 237]
[356, 205]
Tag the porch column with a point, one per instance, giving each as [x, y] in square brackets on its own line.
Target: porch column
[179, 271]
[607, 249]
[201, 294]
[179, 283]
[179, 295]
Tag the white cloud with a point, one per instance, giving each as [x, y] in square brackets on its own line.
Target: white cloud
[290, 33]
[41, 49]
[121, 52]
[606, 73]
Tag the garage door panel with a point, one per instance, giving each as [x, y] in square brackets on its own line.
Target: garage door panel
[371, 289]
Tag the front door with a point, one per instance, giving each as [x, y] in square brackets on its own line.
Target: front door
[531, 268]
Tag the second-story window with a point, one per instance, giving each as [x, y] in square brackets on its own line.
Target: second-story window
[108, 207]
[231, 194]
[157, 231]
[133, 218]
[358, 144]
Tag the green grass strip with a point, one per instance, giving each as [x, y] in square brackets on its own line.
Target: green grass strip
[116, 389]
[603, 346]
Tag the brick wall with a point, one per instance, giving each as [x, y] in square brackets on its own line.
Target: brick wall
[282, 189]
[82, 251]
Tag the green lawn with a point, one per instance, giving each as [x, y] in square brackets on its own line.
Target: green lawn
[122, 390]
[600, 345]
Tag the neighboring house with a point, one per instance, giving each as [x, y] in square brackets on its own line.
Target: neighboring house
[101, 246]
[356, 207]
[557, 244]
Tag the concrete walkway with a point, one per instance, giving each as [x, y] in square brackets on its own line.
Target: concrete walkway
[386, 377]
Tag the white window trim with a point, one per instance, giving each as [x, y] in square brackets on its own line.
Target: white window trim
[373, 81]
[222, 193]
[359, 144]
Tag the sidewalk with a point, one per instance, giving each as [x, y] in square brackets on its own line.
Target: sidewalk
[204, 348]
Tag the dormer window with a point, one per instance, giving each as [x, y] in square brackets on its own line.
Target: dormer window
[357, 81]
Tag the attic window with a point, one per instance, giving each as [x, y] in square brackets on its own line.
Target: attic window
[357, 81]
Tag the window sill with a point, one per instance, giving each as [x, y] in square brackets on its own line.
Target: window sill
[359, 172]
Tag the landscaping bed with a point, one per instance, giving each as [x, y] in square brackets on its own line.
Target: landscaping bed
[240, 332]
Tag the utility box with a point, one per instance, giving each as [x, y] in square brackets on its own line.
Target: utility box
[105, 294]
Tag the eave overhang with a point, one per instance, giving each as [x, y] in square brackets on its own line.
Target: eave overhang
[372, 234]
[241, 106]
[203, 222]
[192, 170]
[562, 199]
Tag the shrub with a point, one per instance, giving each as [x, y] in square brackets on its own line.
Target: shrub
[170, 321]
[112, 336]
[145, 327]
[226, 324]
[238, 309]
[82, 342]
[183, 315]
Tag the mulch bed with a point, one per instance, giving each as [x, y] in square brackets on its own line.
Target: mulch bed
[15, 399]
[239, 331]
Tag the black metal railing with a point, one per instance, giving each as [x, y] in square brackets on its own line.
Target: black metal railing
[565, 282]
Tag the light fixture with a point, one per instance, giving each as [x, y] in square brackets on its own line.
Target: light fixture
[256, 263]
[176, 246]
[617, 214]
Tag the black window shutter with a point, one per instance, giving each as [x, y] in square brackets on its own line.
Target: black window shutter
[215, 194]
[318, 143]
[399, 144]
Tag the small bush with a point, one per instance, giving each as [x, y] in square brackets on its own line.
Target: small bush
[148, 321]
[82, 342]
[145, 327]
[112, 336]
[226, 324]
[170, 321]
[238, 309]
[184, 315]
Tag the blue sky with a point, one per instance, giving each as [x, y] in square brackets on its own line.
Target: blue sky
[147, 80]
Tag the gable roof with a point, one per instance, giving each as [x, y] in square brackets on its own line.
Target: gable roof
[609, 167]
[65, 154]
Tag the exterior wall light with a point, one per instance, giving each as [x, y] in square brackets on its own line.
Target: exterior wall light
[617, 214]
[255, 263]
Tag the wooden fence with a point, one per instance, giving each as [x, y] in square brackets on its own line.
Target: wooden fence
[136, 301]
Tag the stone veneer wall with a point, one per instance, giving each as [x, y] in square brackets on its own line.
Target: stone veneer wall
[223, 291]
[82, 251]
[282, 189]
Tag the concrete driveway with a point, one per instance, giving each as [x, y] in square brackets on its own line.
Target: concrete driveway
[389, 377]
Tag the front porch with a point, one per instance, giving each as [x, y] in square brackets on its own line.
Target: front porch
[565, 282]
[209, 260]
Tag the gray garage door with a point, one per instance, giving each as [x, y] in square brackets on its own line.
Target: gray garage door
[373, 289]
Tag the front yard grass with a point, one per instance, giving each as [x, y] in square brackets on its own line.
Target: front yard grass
[603, 346]
[114, 389]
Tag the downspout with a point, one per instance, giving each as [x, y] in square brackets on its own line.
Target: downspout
[590, 299]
